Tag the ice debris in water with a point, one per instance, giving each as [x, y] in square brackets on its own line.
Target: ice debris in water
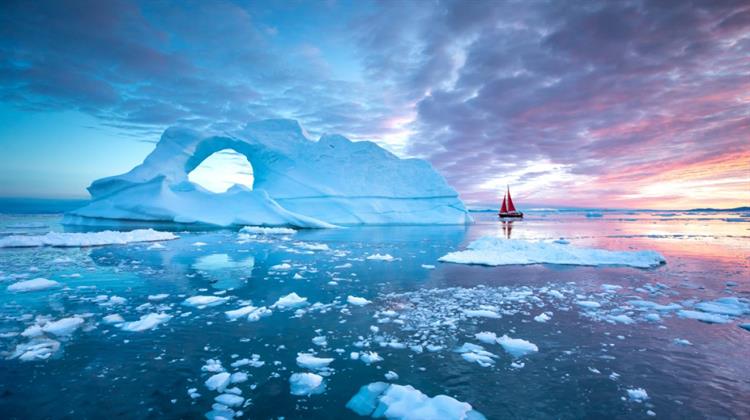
[147, 322]
[637, 394]
[517, 347]
[384, 400]
[260, 230]
[36, 349]
[306, 384]
[309, 361]
[218, 382]
[357, 301]
[64, 326]
[380, 257]
[290, 301]
[33, 285]
[476, 354]
[106, 237]
[370, 357]
[250, 312]
[493, 251]
[201, 302]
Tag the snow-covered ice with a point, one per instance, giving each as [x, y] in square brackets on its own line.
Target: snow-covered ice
[298, 182]
[107, 237]
[493, 251]
[33, 285]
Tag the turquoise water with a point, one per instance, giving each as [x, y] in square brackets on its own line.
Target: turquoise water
[584, 366]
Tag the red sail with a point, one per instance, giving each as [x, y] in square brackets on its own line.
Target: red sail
[511, 207]
[503, 209]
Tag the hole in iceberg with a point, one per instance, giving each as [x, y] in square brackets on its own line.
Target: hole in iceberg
[222, 170]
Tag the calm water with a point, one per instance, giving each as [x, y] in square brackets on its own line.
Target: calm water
[583, 369]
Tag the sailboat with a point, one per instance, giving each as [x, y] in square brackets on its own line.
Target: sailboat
[508, 210]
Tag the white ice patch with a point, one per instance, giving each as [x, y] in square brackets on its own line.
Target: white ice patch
[201, 302]
[259, 230]
[404, 402]
[309, 361]
[251, 313]
[36, 349]
[380, 257]
[106, 237]
[476, 354]
[290, 301]
[370, 357]
[706, 317]
[517, 347]
[64, 326]
[493, 251]
[357, 301]
[33, 285]
[306, 384]
[147, 322]
[637, 394]
[113, 319]
[218, 382]
[157, 298]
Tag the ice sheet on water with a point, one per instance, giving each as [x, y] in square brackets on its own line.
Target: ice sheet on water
[107, 237]
[381, 399]
[494, 251]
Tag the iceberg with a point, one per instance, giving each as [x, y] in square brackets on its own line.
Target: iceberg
[298, 182]
[493, 251]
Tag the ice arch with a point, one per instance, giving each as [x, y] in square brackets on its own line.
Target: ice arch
[222, 170]
[297, 181]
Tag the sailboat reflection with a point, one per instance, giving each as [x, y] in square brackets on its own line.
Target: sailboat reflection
[507, 228]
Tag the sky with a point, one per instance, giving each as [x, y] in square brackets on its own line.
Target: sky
[622, 104]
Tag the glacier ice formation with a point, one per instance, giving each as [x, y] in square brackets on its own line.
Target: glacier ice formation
[297, 182]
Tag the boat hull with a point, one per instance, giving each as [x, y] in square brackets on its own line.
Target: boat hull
[510, 215]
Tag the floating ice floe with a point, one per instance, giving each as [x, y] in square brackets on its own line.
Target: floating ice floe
[251, 313]
[498, 251]
[290, 301]
[64, 326]
[306, 384]
[380, 257]
[637, 394]
[731, 306]
[517, 347]
[297, 182]
[476, 354]
[381, 399]
[113, 319]
[357, 301]
[158, 297]
[36, 349]
[309, 361]
[543, 317]
[260, 230]
[33, 285]
[218, 382]
[106, 237]
[202, 302]
[703, 316]
[370, 357]
[146, 322]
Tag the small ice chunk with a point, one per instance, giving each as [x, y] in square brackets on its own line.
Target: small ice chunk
[280, 267]
[260, 230]
[306, 384]
[202, 302]
[36, 349]
[588, 304]
[703, 316]
[156, 298]
[218, 382]
[428, 266]
[486, 337]
[391, 375]
[32, 285]
[517, 347]
[484, 313]
[64, 326]
[543, 317]
[290, 301]
[370, 357]
[309, 361]
[238, 377]
[146, 322]
[380, 257]
[380, 399]
[113, 319]
[230, 400]
[213, 366]
[357, 301]
[637, 394]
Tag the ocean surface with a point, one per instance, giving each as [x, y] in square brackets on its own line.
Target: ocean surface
[602, 352]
